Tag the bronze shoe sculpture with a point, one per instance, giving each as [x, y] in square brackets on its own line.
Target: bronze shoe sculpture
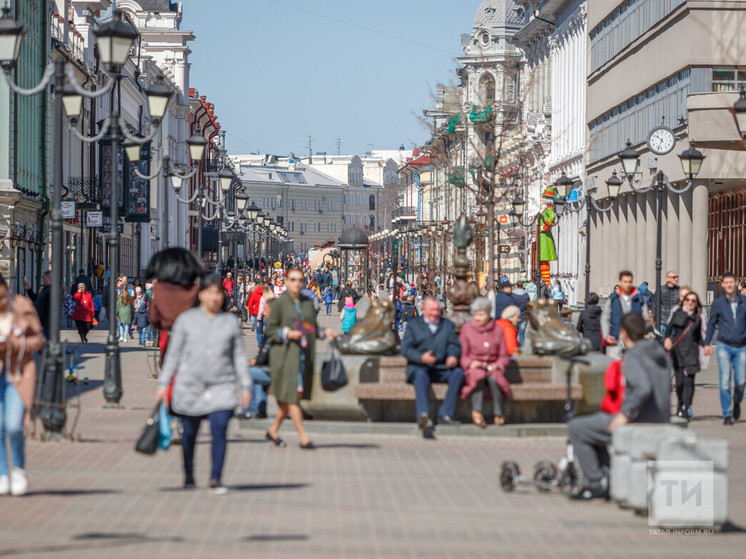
[549, 335]
[372, 335]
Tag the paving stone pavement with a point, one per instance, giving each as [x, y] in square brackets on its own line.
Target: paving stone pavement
[357, 496]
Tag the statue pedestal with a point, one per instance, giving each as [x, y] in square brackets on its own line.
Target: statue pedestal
[342, 405]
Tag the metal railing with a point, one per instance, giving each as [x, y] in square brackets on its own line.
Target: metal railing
[84, 190]
[403, 210]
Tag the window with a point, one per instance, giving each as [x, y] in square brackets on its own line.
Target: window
[372, 202]
[487, 89]
[728, 79]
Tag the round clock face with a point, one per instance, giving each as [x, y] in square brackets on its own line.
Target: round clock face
[661, 140]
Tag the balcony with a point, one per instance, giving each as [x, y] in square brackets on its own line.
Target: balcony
[404, 211]
[85, 191]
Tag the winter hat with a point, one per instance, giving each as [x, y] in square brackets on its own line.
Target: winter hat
[510, 311]
[349, 303]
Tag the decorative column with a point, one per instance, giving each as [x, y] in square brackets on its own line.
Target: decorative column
[699, 253]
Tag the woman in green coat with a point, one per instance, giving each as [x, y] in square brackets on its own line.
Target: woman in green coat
[292, 332]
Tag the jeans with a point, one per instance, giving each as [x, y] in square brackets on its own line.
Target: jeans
[522, 331]
[218, 428]
[260, 332]
[124, 330]
[12, 411]
[150, 332]
[733, 359]
[253, 321]
[142, 334]
[421, 378]
[328, 309]
[261, 380]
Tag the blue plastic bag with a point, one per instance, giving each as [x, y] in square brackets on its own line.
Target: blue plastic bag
[164, 422]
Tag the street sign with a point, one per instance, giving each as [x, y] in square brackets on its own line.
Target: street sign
[504, 249]
[106, 227]
[68, 209]
[95, 219]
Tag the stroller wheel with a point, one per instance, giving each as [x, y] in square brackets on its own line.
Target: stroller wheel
[509, 475]
[545, 476]
[569, 480]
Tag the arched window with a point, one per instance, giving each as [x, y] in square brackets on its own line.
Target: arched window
[372, 202]
[487, 89]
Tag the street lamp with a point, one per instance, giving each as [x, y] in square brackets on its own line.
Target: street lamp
[691, 163]
[11, 36]
[159, 94]
[226, 179]
[115, 39]
[563, 185]
[739, 111]
[197, 144]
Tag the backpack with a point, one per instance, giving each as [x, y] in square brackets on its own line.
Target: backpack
[69, 305]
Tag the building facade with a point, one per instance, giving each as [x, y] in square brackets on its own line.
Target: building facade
[640, 77]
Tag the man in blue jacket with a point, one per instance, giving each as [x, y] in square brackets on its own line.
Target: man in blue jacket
[623, 300]
[728, 313]
[504, 298]
[432, 349]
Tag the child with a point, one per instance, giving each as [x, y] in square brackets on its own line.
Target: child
[328, 299]
[566, 315]
[349, 315]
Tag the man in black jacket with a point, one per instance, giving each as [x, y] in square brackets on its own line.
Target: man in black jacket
[646, 400]
[41, 302]
[432, 349]
[669, 294]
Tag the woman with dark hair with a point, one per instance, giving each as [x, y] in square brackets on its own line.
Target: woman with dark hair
[683, 339]
[209, 354]
[20, 337]
[175, 272]
[589, 323]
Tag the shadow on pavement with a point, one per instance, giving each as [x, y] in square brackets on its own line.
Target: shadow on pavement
[730, 528]
[361, 446]
[276, 538]
[71, 492]
[73, 390]
[92, 541]
[268, 486]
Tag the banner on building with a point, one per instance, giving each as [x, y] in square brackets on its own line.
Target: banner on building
[95, 219]
[105, 165]
[137, 206]
[68, 209]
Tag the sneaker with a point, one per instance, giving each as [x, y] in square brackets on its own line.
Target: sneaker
[18, 481]
[690, 413]
[217, 488]
[737, 412]
[590, 493]
[4, 485]
[728, 420]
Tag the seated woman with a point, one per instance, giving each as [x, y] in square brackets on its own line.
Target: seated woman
[484, 358]
[511, 317]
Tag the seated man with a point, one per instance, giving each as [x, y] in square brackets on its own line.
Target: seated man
[647, 390]
[432, 349]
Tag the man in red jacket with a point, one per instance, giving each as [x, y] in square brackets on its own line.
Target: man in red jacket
[253, 306]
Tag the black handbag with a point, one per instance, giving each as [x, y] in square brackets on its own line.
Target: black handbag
[333, 374]
[148, 441]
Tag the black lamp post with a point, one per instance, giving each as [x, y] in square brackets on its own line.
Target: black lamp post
[691, 163]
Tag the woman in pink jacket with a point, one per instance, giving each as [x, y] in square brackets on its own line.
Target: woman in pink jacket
[484, 359]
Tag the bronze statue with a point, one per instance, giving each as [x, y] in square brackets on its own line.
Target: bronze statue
[549, 335]
[462, 292]
[372, 335]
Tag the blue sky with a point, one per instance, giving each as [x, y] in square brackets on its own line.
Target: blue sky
[278, 73]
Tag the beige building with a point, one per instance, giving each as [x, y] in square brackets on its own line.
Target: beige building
[666, 62]
[306, 202]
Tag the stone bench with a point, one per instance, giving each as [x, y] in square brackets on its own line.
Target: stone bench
[647, 458]
[538, 393]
